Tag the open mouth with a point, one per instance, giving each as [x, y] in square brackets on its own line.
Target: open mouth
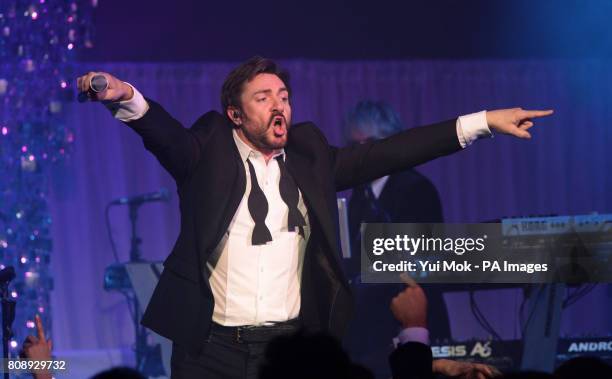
[278, 123]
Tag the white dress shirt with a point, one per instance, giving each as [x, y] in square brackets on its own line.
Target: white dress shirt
[253, 285]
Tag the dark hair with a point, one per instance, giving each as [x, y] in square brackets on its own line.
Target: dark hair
[309, 355]
[235, 81]
[583, 367]
[119, 373]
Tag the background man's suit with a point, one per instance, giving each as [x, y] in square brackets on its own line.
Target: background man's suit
[407, 197]
[206, 166]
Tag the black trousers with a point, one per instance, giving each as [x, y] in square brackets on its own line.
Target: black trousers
[229, 352]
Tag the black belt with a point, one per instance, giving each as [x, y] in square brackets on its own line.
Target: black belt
[256, 333]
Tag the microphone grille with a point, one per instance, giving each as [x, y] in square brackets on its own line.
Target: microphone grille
[99, 83]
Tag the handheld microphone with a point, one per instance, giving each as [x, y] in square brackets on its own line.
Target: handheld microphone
[98, 83]
[162, 195]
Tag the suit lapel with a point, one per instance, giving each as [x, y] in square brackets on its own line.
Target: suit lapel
[230, 180]
[301, 169]
[237, 189]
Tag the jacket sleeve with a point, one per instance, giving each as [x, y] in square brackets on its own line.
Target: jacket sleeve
[177, 148]
[357, 164]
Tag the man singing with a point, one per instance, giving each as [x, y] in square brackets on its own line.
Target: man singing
[258, 255]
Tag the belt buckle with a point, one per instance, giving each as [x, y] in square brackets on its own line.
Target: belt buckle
[238, 336]
[240, 330]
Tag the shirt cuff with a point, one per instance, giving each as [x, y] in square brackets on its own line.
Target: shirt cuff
[129, 110]
[412, 334]
[472, 127]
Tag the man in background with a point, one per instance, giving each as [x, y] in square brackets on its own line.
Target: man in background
[403, 197]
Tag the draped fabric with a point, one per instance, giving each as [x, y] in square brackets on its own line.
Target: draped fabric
[564, 169]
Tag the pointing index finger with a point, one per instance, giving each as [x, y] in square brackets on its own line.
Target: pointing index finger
[536, 113]
[39, 328]
[408, 280]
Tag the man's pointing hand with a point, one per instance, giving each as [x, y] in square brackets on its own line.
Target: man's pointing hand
[515, 121]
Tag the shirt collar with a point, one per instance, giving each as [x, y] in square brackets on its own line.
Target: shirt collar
[246, 151]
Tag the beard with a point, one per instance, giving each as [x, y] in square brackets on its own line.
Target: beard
[266, 137]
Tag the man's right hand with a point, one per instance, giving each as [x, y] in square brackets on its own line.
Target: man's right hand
[409, 307]
[116, 90]
[464, 370]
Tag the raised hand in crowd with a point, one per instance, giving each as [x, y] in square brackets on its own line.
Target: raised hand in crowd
[38, 348]
[409, 307]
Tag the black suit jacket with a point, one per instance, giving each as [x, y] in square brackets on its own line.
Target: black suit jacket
[210, 178]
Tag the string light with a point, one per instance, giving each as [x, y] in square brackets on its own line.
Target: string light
[38, 41]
